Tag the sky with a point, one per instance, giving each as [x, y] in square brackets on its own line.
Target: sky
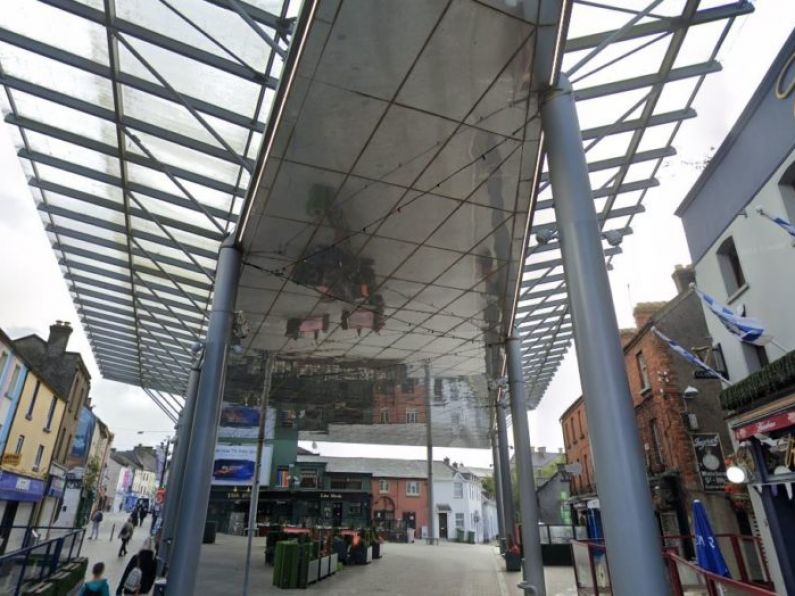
[34, 293]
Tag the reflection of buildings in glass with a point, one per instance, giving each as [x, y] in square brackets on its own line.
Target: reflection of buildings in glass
[399, 402]
[460, 415]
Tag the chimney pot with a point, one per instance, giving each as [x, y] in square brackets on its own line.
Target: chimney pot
[683, 276]
[58, 339]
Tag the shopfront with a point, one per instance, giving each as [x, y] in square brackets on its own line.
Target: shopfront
[766, 452]
[18, 497]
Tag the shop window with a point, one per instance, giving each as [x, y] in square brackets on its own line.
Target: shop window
[730, 268]
[39, 457]
[355, 508]
[383, 486]
[384, 416]
[411, 417]
[459, 521]
[20, 443]
[643, 371]
[29, 413]
[51, 413]
[413, 488]
[458, 490]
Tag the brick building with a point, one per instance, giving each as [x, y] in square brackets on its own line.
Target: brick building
[679, 417]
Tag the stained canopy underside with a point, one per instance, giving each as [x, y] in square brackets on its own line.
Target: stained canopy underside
[399, 220]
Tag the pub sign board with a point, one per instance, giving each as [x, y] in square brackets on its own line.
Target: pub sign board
[710, 461]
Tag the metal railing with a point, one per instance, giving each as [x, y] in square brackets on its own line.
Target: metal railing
[742, 553]
[37, 562]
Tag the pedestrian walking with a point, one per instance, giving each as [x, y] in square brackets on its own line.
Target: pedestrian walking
[98, 585]
[96, 519]
[141, 571]
[134, 517]
[125, 535]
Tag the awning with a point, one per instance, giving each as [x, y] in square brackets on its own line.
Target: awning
[443, 508]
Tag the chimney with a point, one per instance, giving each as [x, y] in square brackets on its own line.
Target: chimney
[683, 276]
[644, 311]
[447, 460]
[560, 449]
[542, 451]
[59, 337]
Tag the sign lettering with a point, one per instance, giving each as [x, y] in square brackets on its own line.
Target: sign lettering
[711, 464]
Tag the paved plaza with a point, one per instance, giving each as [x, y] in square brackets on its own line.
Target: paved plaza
[405, 570]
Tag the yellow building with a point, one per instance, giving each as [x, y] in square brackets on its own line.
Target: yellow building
[25, 462]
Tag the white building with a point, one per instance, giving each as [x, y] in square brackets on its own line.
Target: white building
[747, 262]
[460, 504]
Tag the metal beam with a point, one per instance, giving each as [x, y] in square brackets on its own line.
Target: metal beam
[600, 193]
[630, 211]
[128, 122]
[615, 162]
[167, 43]
[657, 26]
[608, 252]
[638, 124]
[128, 80]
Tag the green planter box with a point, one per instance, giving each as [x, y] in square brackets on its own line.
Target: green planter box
[42, 589]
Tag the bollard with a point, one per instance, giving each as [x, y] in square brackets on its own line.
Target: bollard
[112, 532]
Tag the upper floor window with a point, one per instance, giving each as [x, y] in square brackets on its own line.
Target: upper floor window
[3, 361]
[51, 413]
[458, 490]
[643, 371]
[20, 444]
[29, 413]
[582, 428]
[13, 382]
[413, 488]
[656, 444]
[308, 479]
[39, 457]
[411, 417]
[383, 485]
[730, 268]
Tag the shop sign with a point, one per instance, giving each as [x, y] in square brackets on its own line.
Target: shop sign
[11, 459]
[330, 496]
[711, 464]
[18, 488]
[773, 423]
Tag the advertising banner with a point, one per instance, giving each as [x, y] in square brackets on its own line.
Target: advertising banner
[711, 463]
[82, 441]
[242, 422]
[235, 464]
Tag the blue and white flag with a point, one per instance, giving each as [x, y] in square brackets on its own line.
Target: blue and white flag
[748, 330]
[783, 223]
[692, 358]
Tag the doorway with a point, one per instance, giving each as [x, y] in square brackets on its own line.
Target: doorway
[7, 522]
[443, 526]
[410, 519]
[336, 513]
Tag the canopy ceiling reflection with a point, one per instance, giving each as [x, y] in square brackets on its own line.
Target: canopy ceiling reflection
[394, 212]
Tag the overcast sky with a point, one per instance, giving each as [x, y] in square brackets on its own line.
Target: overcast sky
[34, 293]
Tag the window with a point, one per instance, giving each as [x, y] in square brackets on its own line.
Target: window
[730, 268]
[755, 357]
[384, 416]
[643, 371]
[458, 490]
[51, 413]
[459, 521]
[308, 479]
[582, 428]
[32, 405]
[656, 444]
[413, 488]
[20, 443]
[13, 382]
[383, 485]
[3, 361]
[585, 470]
[39, 456]
[411, 417]
[573, 434]
[719, 362]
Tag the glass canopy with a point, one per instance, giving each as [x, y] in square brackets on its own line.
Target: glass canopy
[384, 174]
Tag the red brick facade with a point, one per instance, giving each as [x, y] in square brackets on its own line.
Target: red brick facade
[399, 403]
[397, 500]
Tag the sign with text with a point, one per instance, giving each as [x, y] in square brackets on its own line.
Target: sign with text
[766, 425]
[242, 422]
[710, 461]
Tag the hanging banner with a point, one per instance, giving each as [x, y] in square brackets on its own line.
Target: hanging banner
[711, 463]
[235, 464]
[242, 422]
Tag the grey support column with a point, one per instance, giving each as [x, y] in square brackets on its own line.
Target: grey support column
[192, 513]
[505, 472]
[176, 476]
[532, 563]
[633, 542]
[495, 456]
[429, 445]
